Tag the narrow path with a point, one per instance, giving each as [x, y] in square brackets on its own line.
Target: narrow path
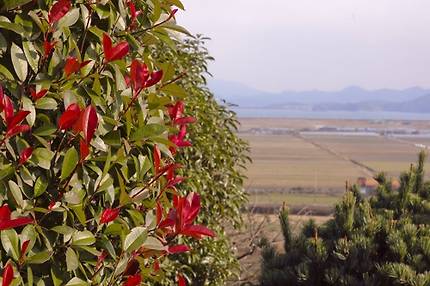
[366, 169]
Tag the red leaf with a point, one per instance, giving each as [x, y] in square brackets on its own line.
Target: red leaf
[58, 11]
[17, 129]
[89, 122]
[184, 120]
[72, 66]
[113, 53]
[48, 47]
[25, 155]
[156, 266]
[8, 108]
[101, 258]
[1, 98]
[191, 208]
[175, 111]
[37, 95]
[17, 118]
[178, 249]
[69, 117]
[157, 158]
[197, 231]
[4, 212]
[138, 74]
[84, 63]
[7, 275]
[133, 280]
[24, 248]
[109, 215]
[181, 280]
[155, 78]
[159, 212]
[84, 150]
[12, 223]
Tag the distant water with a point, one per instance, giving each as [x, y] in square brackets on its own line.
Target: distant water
[369, 115]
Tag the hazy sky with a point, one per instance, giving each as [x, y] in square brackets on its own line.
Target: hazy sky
[324, 44]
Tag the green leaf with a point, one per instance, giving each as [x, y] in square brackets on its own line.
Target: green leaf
[69, 19]
[19, 62]
[40, 186]
[16, 193]
[40, 257]
[174, 90]
[153, 243]
[148, 131]
[71, 160]
[83, 238]
[31, 55]
[6, 73]
[10, 243]
[42, 157]
[72, 260]
[135, 239]
[11, 26]
[27, 105]
[6, 171]
[64, 229]
[77, 282]
[12, 4]
[46, 103]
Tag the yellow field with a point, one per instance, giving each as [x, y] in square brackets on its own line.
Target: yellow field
[313, 169]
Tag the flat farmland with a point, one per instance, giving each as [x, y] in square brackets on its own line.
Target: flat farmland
[376, 152]
[289, 164]
[310, 169]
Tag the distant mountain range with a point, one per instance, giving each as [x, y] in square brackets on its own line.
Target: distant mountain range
[414, 99]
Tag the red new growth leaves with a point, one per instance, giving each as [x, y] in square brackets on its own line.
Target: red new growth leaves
[88, 123]
[13, 122]
[37, 95]
[73, 65]
[175, 113]
[7, 275]
[140, 77]
[133, 280]
[81, 120]
[58, 11]
[178, 249]
[25, 155]
[69, 117]
[109, 215]
[48, 47]
[113, 53]
[84, 150]
[6, 222]
[182, 216]
[181, 280]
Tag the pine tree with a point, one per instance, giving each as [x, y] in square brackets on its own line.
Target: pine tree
[381, 240]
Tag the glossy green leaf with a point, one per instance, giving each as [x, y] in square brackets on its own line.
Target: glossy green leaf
[16, 193]
[40, 186]
[83, 238]
[19, 62]
[135, 239]
[10, 243]
[72, 260]
[70, 161]
[46, 103]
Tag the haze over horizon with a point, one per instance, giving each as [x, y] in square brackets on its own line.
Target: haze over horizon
[306, 45]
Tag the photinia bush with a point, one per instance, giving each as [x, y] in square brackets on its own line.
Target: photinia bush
[90, 128]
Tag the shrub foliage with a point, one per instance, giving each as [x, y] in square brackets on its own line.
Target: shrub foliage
[92, 126]
[383, 240]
